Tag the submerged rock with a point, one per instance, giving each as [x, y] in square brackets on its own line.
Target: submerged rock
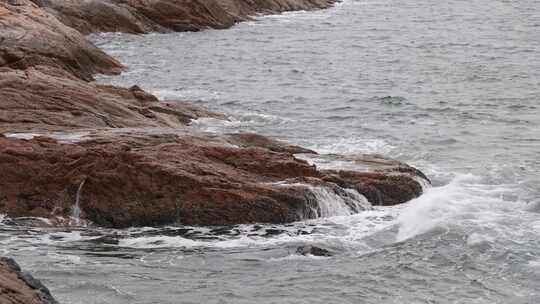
[18, 287]
[313, 250]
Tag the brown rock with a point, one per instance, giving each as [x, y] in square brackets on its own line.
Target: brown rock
[42, 98]
[29, 36]
[101, 16]
[17, 287]
[130, 158]
[381, 189]
[256, 140]
[143, 16]
[176, 179]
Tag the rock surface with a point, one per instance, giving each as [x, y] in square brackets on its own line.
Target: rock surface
[127, 159]
[40, 98]
[29, 36]
[143, 16]
[134, 179]
[17, 287]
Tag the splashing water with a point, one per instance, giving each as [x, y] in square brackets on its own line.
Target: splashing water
[467, 201]
[330, 203]
[76, 210]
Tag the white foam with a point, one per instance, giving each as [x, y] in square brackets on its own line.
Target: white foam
[477, 238]
[468, 203]
[354, 146]
[297, 257]
[65, 258]
[238, 121]
[159, 242]
[332, 204]
[185, 94]
[341, 231]
[64, 137]
[534, 263]
[26, 136]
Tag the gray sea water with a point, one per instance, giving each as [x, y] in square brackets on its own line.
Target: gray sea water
[451, 87]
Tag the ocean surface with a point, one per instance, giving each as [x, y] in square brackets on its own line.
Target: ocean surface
[451, 87]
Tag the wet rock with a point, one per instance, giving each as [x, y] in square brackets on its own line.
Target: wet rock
[256, 140]
[187, 178]
[28, 221]
[151, 185]
[130, 158]
[313, 250]
[50, 99]
[143, 16]
[381, 189]
[30, 36]
[18, 287]
[44, 68]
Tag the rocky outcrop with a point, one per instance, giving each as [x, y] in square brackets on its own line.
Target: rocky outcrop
[143, 16]
[48, 99]
[256, 140]
[29, 36]
[18, 287]
[192, 178]
[124, 158]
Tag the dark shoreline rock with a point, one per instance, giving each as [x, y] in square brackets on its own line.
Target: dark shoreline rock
[18, 287]
[142, 16]
[189, 178]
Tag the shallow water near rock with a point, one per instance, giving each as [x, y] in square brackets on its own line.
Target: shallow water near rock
[452, 88]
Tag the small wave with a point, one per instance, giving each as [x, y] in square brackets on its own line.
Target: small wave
[296, 16]
[391, 100]
[236, 122]
[297, 257]
[185, 94]
[352, 145]
[519, 107]
[535, 263]
[159, 242]
[337, 109]
[478, 239]
[534, 206]
[341, 118]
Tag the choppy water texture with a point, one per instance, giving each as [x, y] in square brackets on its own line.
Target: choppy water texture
[452, 87]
